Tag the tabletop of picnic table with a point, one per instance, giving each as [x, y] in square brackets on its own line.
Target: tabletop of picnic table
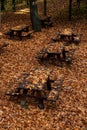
[45, 17]
[66, 32]
[56, 48]
[37, 79]
[20, 27]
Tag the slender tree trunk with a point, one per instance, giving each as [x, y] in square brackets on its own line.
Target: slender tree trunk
[70, 9]
[27, 2]
[36, 23]
[13, 5]
[45, 7]
[78, 3]
[2, 4]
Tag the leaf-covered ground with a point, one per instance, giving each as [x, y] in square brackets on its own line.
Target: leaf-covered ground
[70, 111]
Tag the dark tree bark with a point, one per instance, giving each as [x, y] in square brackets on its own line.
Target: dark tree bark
[13, 5]
[27, 2]
[78, 3]
[36, 23]
[2, 4]
[70, 9]
[45, 7]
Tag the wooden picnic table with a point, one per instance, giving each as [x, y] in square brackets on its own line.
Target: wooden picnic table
[57, 54]
[46, 22]
[37, 82]
[21, 28]
[37, 79]
[19, 31]
[69, 36]
[66, 34]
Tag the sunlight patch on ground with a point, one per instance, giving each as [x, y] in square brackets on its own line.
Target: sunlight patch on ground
[23, 11]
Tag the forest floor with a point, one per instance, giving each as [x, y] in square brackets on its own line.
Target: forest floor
[70, 112]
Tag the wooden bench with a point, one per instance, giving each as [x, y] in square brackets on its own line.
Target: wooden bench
[76, 38]
[9, 33]
[28, 34]
[69, 57]
[55, 90]
[53, 95]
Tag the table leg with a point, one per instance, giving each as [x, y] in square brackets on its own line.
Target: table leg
[23, 102]
[40, 100]
[27, 29]
[12, 34]
[41, 104]
[19, 34]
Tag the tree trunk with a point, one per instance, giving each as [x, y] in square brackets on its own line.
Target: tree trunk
[27, 2]
[36, 23]
[78, 3]
[2, 4]
[70, 9]
[45, 7]
[13, 5]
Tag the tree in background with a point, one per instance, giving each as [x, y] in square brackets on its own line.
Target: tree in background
[2, 5]
[70, 9]
[27, 2]
[13, 5]
[45, 7]
[36, 23]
